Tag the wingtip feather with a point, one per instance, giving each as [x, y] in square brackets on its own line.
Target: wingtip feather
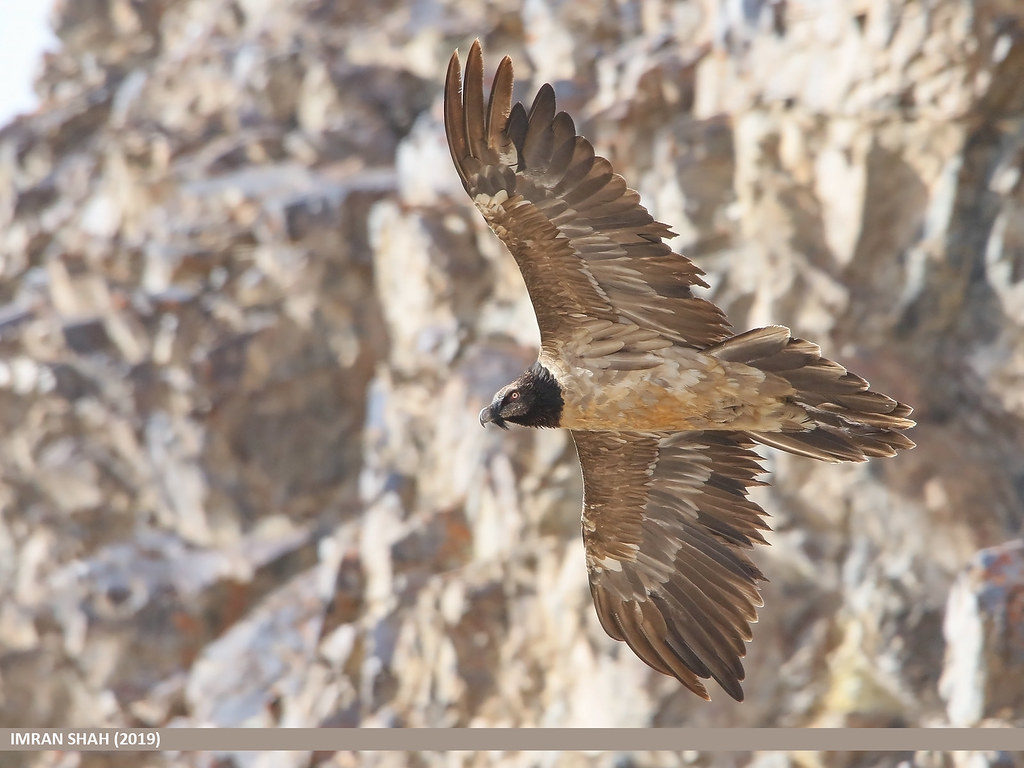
[499, 106]
[543, 104]
[473, 100]
[454, 122]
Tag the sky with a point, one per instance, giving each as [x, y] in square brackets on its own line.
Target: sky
[24, 35]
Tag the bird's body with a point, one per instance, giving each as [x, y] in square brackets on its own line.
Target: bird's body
[663, 400]
[667, 389]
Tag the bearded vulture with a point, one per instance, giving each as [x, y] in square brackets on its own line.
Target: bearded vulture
[663, 401]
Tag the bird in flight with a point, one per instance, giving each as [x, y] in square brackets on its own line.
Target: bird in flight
[662, 399]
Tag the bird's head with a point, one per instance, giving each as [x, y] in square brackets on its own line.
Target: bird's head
[533, 400]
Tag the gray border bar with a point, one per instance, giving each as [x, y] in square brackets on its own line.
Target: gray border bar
[529, 739]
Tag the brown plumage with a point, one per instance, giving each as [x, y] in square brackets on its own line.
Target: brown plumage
[664, 403]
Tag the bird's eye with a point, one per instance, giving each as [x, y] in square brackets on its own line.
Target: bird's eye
[513, 396]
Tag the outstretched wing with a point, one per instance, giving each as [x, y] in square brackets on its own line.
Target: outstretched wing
[587, 248]
[665, 523]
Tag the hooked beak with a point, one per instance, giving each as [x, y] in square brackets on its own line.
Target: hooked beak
[489, 415]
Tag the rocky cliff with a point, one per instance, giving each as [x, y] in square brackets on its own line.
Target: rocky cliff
[248, 317]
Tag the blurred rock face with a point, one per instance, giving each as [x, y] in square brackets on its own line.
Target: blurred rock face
[248, 316]
[984, 630]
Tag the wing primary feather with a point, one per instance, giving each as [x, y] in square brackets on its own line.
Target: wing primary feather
[454, 118]
[697, 628]
[472, 93]
[563, 144]
[723, 622]
[727, 603]
[473, 104]
[516, 128]
[599, 175]
[582, 161]
[499, 105]
[605, 613]
[543, 109]
[637, 640]
[691, 631]
[656, 631]
[539, 135]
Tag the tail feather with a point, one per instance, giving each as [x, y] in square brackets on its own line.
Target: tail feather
[822, 443]
[851, 422]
